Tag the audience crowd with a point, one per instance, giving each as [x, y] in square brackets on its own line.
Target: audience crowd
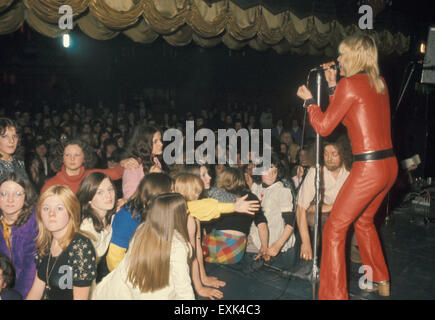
[89, 209]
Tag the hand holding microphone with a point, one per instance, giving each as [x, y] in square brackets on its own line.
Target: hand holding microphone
[330, 69]
[330, 73]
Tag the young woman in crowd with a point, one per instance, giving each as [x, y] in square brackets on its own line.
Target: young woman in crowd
[18, 228]
[292, 148]
[76, 160]
[97, 198]
[277, 204]
[191, 187]
[65, 258]
[39, 164]
[202, 171]
[226, 237]
[9, 136]
[133, 213]
[221, 195]
[145, 145]
[157, 263]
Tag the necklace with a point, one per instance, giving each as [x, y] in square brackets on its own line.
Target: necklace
[48, 274]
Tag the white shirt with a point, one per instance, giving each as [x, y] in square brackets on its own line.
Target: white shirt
[101, 240]
[329, 186]
[275, 200]
[115, 286]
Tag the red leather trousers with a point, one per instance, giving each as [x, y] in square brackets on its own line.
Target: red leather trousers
[357, 201]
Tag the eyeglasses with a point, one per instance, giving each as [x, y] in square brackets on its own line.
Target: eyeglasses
[17, 194]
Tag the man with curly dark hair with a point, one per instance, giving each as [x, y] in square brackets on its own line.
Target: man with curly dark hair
[337, 162]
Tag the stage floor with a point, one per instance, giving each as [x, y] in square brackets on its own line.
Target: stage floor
[409, 246]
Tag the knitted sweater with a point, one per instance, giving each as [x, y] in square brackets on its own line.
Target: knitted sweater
[73, 182]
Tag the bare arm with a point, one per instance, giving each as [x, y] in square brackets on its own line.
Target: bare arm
[81, 293]
[205, 279]
[37, 289]
[301, 218]
[206, 292]
[263, 233]
[275, 248]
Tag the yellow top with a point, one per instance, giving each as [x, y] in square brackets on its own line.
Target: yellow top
[208, 209]
[203, 210]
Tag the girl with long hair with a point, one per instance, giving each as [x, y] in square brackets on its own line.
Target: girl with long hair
[145, 145]
[97, 198]
[133, 213]
[18, 228]
[191, 187]
[9, 137]
[157, 263]
[65, 258]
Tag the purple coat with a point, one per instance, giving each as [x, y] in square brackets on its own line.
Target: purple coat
[23, 240]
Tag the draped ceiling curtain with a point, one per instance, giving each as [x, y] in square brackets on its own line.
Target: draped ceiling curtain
[205, 22]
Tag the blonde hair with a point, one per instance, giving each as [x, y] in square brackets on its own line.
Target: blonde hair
[149, 259]
[72, 206]
[232, 180]
[189, 185]
[359, 52]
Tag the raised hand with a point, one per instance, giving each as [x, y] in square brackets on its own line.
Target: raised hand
[129, 163]
[304, 93]
[243, 206]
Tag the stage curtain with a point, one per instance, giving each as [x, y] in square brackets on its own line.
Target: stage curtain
[141, 33]
[47, 29]
[206, 23]
[117, 14]
[182, 37]
[206, 42]
[271, 26]
[4, 4]
[48, 10]
[94, 28]
[165, 16]
[243, 24]
[12, 16]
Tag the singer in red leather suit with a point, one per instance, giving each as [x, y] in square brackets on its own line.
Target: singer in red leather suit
[361, 103]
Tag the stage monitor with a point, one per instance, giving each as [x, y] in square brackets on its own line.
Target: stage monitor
[428, 73]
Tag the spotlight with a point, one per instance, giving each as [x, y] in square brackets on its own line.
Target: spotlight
[66, 40]
[422, 48]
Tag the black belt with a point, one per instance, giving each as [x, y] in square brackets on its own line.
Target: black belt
[374, 155]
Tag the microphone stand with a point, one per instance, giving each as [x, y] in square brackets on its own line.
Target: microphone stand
[402, 91]
[403, 88]
[315, 269]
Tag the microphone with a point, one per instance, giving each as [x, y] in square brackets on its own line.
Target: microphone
[334, 66]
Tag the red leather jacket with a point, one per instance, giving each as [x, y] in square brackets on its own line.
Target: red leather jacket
[364, 112]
